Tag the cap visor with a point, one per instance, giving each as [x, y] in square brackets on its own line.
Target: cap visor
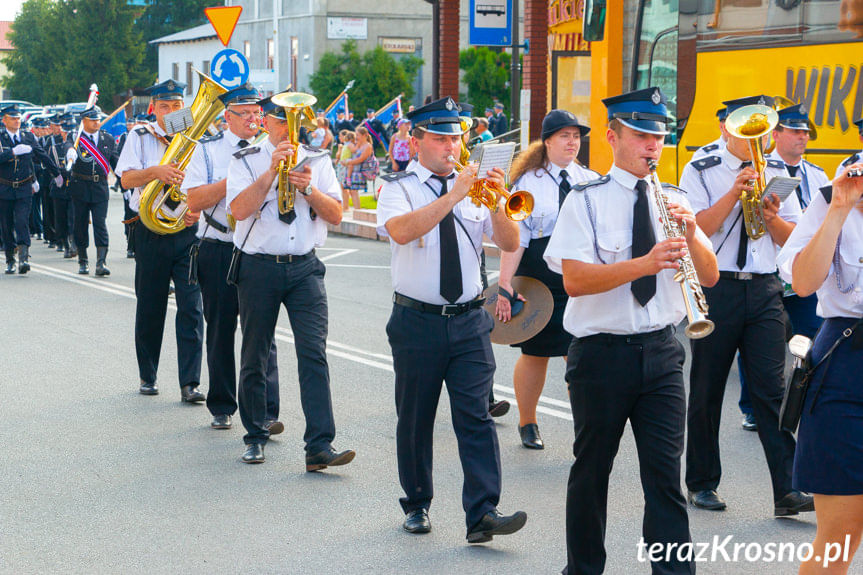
[646, 126]
[447, 129]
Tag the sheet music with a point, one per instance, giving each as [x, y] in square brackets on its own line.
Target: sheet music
[495, 156]
[782, 186]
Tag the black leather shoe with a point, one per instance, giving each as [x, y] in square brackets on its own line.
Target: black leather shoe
[794, 503]
[707, 499]
[493, 523]
[530, 436]
[498, 408]
[221, 421]
[83, 267]
[254, 453]
[329, 458]
[148, 388]
[748, 422]
[274, 427]
[417, 521]
[10, 267]
[190, 394]
[130, 254]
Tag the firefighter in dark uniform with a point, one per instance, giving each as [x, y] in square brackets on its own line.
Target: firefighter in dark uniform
[88, 186]
[59, 193]
[52, 126]
[40, 187]
[18, 150]
[162, 258]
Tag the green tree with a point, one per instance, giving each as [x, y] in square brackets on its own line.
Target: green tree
[63, 47]
[377, 76]
[486, 74]
[163, 17]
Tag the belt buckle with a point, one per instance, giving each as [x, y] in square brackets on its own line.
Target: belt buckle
[449, 309]
[280, 259]
[95, 177]
[744, 275]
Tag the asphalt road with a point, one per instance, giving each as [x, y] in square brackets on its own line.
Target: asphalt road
[99, 479]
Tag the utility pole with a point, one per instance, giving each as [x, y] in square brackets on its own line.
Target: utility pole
[514, 71]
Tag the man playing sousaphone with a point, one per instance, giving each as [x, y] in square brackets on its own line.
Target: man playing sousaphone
[162, 258]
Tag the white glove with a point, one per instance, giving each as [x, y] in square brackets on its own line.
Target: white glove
[58, 181]
[71, 155]
[21, 149]
[35, 187]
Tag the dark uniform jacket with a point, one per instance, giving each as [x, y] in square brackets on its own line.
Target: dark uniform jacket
[55, 147]
[18, 172]
[88, 181]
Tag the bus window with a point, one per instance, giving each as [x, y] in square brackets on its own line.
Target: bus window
[656, 52]
[742, 24]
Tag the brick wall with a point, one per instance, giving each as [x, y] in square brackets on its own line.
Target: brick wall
[449, 46]
[535, 75]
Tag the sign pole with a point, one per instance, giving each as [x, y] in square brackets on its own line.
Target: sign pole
[514, 71]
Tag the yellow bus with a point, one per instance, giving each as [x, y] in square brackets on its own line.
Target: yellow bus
[702, 52]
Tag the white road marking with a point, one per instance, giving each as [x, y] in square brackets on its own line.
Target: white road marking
[380, 361]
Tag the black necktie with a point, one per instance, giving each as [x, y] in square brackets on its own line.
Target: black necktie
[743, 244]
[16, 140]
[450, 263]
[792, 171]
[242, 144]
[563, 188]
[643, 240]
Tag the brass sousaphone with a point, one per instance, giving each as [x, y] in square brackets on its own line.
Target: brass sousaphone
[157, 195]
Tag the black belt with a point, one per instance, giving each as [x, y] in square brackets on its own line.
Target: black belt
[215, 241]
[87, 177]
[17, 183]
[742, 276]
[445, 310]
[285, 259]
[612, 338]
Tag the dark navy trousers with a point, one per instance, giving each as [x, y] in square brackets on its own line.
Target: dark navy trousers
[85, 212]
[221, 310]
[263, 287]
[15, 222]
[429, 349]
[158, 260]
[613, 379]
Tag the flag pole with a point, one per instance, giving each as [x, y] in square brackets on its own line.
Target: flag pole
[115, 112]
[387, 105]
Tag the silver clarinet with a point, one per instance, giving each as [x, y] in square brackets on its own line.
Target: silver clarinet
[696, 304]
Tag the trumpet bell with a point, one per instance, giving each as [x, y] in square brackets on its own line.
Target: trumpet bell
[699, 329]
[749, 122]
[293, 100]
[519, 205]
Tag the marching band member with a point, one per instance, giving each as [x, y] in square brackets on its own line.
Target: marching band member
[88, 187]
[18, 149]
[823, 255]
[746, 307]
[438, 330]
[548, 169]
[624, 362]
[162, 258]
[205, 185]
[853, 158]
[278, 266]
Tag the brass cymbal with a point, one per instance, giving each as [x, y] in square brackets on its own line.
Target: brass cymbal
[537, 310]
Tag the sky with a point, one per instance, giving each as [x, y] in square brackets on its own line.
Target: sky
[9, 8]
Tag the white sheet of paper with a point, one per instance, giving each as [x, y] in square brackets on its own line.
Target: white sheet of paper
[782, 186]
[495, 156]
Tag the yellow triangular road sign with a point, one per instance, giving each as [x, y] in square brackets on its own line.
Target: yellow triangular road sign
[224, 20]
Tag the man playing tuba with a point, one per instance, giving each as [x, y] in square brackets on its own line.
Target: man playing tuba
[162, 258]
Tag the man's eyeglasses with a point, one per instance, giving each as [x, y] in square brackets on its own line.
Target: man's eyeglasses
[245, 115]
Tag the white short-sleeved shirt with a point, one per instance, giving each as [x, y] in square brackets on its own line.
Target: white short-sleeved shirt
[544, 185]
[209, 164]
[858, 157]
[595, 227]
[270, 235]
[706, 185]
[416, 265]
[140, 152]
[714, 147]
[841, 294]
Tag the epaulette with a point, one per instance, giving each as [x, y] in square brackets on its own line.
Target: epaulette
[673, 187]
[851, 159]
[779, 164]
[246, 151]
[706, 162]
[817, 167]
[395, 176]
[212, 138]
[827, 192]
[141, 130]
[580, 187]
[708, 148]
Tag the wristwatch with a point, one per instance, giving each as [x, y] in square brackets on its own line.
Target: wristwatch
[307, 191]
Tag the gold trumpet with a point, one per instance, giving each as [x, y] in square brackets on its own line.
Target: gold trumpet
[298, 110]
[752, 123]
[518, 205]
